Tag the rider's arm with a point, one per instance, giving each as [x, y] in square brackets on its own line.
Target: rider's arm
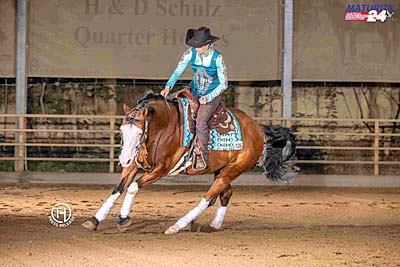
[222, 77]
[186, 57]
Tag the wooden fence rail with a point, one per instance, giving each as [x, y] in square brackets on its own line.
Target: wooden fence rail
[110, 122]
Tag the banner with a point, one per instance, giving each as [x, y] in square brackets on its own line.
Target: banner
[337, 40]
[146, 38]
[7, 38]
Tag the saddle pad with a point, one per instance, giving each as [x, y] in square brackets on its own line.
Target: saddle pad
[230, 141]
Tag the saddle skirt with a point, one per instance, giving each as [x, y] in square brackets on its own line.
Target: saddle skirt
[225, 133]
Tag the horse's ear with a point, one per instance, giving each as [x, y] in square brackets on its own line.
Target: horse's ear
[145, 111]
[126, 108]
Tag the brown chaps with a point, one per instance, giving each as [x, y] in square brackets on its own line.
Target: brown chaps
[202, 127]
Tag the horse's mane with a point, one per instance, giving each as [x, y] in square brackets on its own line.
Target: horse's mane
[152, 97]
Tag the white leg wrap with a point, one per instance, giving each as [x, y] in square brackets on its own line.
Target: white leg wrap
[107, 206]
[219, 217]
[129, 198]
[188, 218]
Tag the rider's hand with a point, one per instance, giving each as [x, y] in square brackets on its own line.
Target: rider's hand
[165, 92]
[203, 100]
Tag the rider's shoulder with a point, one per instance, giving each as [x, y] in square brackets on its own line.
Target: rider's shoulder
[219, 56]
[218, 53]
[188, 51]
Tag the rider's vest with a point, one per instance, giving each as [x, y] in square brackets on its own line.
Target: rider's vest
[205, 79]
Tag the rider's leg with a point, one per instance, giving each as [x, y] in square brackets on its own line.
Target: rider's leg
[202, 129]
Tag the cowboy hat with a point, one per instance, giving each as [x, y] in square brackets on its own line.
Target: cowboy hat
[200, 37]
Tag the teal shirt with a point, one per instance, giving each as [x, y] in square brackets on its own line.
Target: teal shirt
[214, 66]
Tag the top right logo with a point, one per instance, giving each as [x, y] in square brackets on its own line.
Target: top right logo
[369, 12]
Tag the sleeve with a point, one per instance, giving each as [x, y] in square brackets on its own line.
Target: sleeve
[186, 57]
[222, 77]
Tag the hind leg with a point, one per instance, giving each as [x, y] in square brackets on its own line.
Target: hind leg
[217, 187]
[224, 197]
[219, 216]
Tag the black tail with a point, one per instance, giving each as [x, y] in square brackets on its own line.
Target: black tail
[279, 147]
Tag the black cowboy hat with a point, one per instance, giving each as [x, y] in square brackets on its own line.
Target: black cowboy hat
[200, 37]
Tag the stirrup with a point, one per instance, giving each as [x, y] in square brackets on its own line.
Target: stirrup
[196, 162]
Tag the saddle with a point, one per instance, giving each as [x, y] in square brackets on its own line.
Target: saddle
[221, 120]
[225, 131]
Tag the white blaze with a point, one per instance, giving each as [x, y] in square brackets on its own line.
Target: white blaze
[131, 136]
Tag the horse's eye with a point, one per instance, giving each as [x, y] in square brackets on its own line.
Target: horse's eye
[131, 120]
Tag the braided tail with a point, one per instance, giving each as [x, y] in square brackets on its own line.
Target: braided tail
[279, 147]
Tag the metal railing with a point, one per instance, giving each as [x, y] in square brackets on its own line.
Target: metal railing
[376, 134]
[22, 144]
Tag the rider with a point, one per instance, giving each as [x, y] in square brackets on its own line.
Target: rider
[208, 83]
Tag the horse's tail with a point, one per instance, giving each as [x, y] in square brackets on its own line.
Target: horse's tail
[279, 147]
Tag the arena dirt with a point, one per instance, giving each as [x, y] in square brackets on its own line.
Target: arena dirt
[264, 226]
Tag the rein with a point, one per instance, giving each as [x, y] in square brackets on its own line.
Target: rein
[144, 137]
[159, 139]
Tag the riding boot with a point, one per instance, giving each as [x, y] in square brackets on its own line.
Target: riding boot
[203, 132]
[201, 160]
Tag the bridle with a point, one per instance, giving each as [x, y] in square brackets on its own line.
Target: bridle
[131, 120]
[143, 139]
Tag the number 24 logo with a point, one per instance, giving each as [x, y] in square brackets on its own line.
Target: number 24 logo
[373, 16]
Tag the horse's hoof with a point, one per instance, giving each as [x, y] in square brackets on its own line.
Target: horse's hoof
[206, 228]
[174, 229]
[91, 224]
[203, 228]
[123, 223]
[195, 227]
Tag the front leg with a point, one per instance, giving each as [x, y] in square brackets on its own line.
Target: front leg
[124, 221]
[93, 222]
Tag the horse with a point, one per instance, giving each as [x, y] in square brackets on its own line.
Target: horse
[151, 141]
